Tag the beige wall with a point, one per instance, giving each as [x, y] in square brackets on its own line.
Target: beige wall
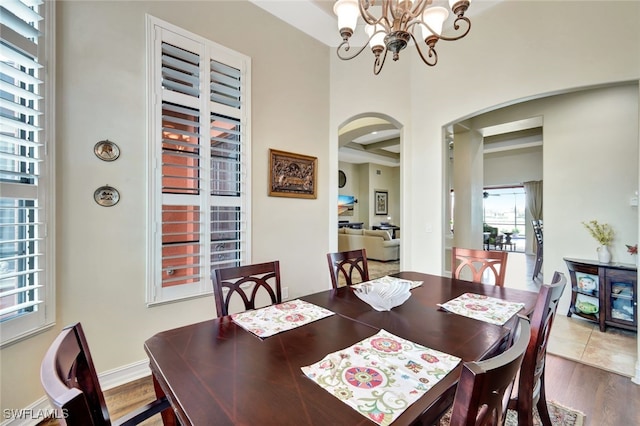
[101, 93]
[513, 167]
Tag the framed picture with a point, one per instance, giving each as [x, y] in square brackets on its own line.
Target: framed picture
[381, 199]
[292, 175]
[346, 205]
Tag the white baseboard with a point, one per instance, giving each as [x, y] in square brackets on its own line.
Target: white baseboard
[28, 416]
[35, 412]
[125, 374]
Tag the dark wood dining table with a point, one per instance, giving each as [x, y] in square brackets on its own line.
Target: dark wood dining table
[216, 373]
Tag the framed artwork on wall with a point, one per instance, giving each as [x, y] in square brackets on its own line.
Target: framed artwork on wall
[381, 199]
[346, 205]
[292, 175]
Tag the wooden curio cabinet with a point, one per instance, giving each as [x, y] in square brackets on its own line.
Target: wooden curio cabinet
[604, 293]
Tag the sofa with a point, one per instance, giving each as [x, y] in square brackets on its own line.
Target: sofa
[379, 244]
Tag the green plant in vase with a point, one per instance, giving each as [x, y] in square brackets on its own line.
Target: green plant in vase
[603, 234]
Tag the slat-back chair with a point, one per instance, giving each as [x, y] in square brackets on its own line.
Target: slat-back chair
[531, 392]
[537, 232]
[479, 262]
[346, 264]
[484, 388]
[70, 381]
[246, 281]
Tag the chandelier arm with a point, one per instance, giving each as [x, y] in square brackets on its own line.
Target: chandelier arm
[456, 26]
[431, 54]
[397, 13]
[406, 18]
[345, 46]
[409, 14]
[386, 4]
[377, 64]
[366, 15]
[419, 7]
[386, 9]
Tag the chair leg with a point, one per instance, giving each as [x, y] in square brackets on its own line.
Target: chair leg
[525, 411]
[537, 266]
[543, 410]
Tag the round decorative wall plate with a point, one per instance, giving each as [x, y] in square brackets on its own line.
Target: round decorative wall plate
[106, 196]
[106, 150]
[342, 179]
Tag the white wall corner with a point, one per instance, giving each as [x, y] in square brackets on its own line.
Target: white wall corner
[636, 378]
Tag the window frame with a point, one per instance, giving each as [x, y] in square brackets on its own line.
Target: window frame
[159, 31]
[16, 329]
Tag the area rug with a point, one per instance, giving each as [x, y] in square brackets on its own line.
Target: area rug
[380, 269]
[376, 270]
[560, 416]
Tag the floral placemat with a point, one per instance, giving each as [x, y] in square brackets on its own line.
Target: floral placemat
[390, 280]
[382, 375]
[274, 319]
[483, 308]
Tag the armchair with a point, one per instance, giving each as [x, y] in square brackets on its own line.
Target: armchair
[490, 236]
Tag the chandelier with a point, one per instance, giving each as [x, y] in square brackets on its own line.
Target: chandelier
[397, 24]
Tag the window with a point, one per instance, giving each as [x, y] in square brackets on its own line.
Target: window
[199, 161]
[504, 208]
[27, 297]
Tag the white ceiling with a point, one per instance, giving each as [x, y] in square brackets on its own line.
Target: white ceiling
[358, 143]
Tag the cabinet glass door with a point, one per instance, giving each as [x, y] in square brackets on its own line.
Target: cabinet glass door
[621, 298]
[622, 301]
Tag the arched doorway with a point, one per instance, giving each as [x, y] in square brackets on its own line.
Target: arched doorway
[369, 147]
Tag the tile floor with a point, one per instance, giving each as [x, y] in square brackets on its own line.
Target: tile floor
[575, 338]
[614, 350]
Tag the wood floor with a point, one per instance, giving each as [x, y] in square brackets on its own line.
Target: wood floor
[607, 399]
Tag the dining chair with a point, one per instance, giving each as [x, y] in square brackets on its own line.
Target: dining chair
[70, 381]
[483, 391]
[531, 390]
[345, 265]
[537, 232]
[485, 266]
[246, 281]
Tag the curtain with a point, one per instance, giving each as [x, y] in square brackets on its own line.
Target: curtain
[533, 190]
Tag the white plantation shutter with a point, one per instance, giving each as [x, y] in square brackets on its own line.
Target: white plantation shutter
[198, 149]
[25, 178]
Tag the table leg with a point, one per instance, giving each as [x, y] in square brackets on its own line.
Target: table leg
[168, 416]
